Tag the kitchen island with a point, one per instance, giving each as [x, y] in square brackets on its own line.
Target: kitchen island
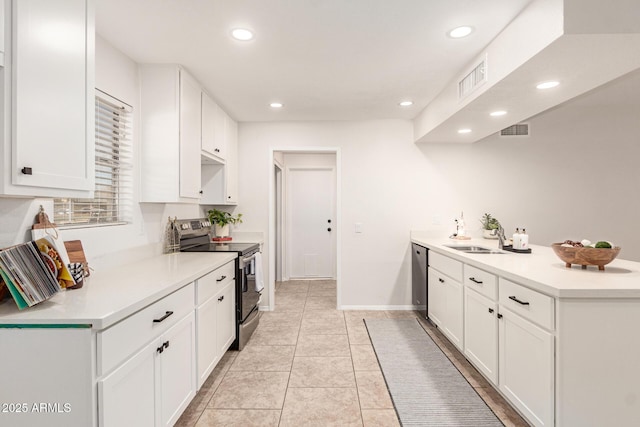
[121, 350]
[556, 342]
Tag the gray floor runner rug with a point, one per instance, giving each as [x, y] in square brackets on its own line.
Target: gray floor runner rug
[426, 388]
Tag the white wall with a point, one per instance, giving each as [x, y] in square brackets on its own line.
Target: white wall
[575, 177]
[381, 174]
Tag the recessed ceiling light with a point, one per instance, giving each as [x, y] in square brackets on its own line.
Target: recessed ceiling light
[460, 32]
[406, 103]
[497, 113]
[547, 85]
[276, 105]
[242, 34]
[464, 130]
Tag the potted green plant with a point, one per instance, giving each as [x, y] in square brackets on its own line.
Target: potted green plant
[221, 221]
[490, 226]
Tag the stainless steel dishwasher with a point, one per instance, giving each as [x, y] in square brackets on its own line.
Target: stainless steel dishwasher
[419, 256]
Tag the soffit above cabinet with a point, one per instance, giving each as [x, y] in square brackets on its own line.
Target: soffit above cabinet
[551, 40]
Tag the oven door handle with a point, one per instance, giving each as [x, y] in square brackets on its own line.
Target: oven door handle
[249, 258]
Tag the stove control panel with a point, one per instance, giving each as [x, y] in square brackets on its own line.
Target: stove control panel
[194, 226]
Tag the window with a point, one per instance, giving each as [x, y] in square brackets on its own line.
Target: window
[111, 203]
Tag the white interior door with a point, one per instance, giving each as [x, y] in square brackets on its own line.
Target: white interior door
[311, 222]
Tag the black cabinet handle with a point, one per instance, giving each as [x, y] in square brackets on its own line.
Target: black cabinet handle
[167, 314]
[217, 150]
[328, 229]
[418, 252]
[513, 298]
[221, 298]
[221, 279]
[200, 191]
[499, 316]
[27, 171]
[166, 344]
[474, 280]
[491, 310]
[329, 221]
[160, 349]
[441, 280]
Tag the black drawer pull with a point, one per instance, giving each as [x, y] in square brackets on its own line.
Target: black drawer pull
[441, 280]
[221, 279]
[167, 314]
[513, 298]
[491, 310]
[474, 280]
[221, 298]
[27, 170]
[160, 349]
[166, 344]
[499, 316]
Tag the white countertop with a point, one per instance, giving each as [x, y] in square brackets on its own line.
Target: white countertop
[110, 295]
[543, 271]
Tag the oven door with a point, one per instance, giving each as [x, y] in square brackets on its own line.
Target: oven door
[250, 298]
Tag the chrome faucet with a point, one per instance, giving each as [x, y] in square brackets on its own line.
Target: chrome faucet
[501, 237]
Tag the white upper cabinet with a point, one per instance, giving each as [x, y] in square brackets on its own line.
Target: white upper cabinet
[170, 135]
[48, 98]
[220, 181]
[214, 123]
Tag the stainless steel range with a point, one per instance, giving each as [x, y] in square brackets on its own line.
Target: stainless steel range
[194, 237]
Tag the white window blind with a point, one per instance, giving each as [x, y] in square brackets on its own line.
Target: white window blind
[113, 195]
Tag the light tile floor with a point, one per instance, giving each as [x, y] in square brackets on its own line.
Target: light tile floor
[309, 364]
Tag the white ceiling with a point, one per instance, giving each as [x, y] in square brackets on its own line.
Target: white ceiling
[324, 59]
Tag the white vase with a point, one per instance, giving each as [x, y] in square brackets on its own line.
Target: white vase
[490, 234]
[222, 231]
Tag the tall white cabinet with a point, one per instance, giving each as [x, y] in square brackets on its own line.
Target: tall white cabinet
[170, 135]
[47, 94]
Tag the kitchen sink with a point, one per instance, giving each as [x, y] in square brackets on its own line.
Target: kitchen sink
[475, 249]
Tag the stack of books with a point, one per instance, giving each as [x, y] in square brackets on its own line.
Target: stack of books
[33, 272]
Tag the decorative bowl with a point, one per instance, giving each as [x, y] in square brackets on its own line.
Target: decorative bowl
[585, 256]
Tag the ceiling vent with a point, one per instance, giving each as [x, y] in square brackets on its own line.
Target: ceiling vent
[476, 78]
[521, 129]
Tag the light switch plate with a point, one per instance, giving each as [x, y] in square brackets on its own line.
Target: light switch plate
[358, 227]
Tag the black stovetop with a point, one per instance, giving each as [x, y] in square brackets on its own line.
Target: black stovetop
[241, 248]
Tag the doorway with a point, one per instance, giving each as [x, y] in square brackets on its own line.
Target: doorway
[304, 221]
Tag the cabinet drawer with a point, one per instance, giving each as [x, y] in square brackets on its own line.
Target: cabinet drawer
[528, 303]
[212, 283]
[127, 336]
[446, 265]
[481, 281]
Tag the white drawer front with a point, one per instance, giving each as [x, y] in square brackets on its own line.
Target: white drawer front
[481, 281]
[212, 283]
[121, 340]
[446, 265]
[530, 304]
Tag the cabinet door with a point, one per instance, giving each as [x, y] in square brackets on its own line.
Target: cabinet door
[53, 95]
[190, 128]
[481, 333]
[207, 329]
[226, 318]
[453, 325]
[126, 396]
[177, 371]
[437, 297]
[213, 128]
[231, 174]
[526, 367]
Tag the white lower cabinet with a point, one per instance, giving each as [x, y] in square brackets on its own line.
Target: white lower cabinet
[481, 333]
[216, 329]
[527, 367]
[446, 305]
[154, 386]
